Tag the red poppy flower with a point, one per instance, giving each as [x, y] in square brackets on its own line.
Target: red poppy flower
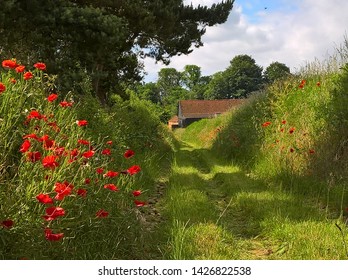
[47, 142]
[291, 130]
[318, 84]
[102, 213]
[34, 115]
[62, 190]
[40, 66]
[65, 104]
[53, 236]
[82, 122]
[283, 121]
[291, 150]
[44, 198]
[9, 63]
[100, 170]
[83, 142]
[28, 76]
[25, 146]
[137, 192]
[106, 152]
[88, 154]
[133, 169]
[20, 69]
[82, 192]
[111, 187]
[7, 223]
[52, 97]
[87, 181]
[139, 203]
[129, 153]
[33, 156]
[265, 124]
[13, 80]
[109, 142]
[111, 174]
[2, 87]
[50, 162]
[53, 213]
[32, 136]
[311, 151]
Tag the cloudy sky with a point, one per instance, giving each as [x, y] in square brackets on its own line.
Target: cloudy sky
[288, 31]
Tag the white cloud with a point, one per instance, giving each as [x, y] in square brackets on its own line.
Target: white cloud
[292, 34]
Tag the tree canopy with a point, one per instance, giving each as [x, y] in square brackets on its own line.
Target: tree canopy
[276, 71]
[103, 40]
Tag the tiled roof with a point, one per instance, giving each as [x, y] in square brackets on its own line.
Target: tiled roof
[174, 119]
[206, 108]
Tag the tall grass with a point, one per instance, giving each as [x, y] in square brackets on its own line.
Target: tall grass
[26, 114]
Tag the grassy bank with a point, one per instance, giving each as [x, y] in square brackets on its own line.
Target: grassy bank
[73, 175]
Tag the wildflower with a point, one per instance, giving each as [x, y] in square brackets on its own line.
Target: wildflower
[111, 187]
[291, 150]
[311, 151]
[13, 80]
[25, 146]
[318, 84]
[139, 203]
[34, 115]
[129, 153]
[137, 192]
[87, 181]
[53, 236]
[2, 87]
[82, 192]
[20, 69]
[83, 142]
[52, 97]
[28, 75]
[32, 136]
[50, 162]
[33, 156]
[7, 223]
[102, 213]
[109, 142]
[65, 104]
[62, 190]
[48, 143]
[88, 154]
[106, 152]
[133, 169]
[44, 198]
[291, 130]
[265, 124]
[100, 170]
[82, 122]
[40, 66]
[53, 213]
[111, 174]
[9, 63]
[283, 121]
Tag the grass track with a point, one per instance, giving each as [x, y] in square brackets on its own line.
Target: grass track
[216, 211]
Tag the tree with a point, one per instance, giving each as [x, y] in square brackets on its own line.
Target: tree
[103, 39]
[276, 71]
[168, 79]
[241, 78]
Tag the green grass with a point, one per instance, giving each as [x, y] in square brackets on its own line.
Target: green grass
[217, 211]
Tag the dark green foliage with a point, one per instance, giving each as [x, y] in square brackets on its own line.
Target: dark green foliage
[239, 80]
[102, 39]
[276, 71]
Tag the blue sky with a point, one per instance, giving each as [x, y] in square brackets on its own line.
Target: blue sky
[293, 32]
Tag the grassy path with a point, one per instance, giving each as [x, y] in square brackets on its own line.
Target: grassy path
[215, 211]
